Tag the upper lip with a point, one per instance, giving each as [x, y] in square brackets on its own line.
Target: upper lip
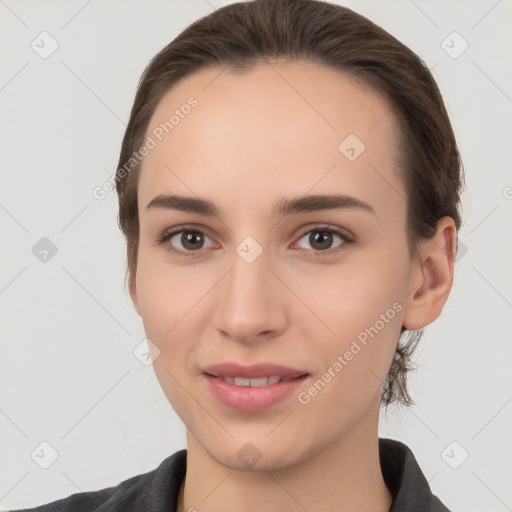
[254, 371]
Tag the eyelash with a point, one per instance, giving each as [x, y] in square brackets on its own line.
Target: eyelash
[345, 235]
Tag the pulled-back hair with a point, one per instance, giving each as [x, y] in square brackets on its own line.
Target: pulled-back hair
[246, 33]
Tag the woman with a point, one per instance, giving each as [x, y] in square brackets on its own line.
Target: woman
[289, 187]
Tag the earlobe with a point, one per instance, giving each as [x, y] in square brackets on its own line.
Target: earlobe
[431, 277]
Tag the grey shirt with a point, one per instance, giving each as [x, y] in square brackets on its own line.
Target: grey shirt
[157, 490]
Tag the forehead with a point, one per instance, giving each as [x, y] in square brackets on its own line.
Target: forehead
[280, 126]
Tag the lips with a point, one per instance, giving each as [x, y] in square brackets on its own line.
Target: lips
[254, 383]
[253, 372]
[252, 388]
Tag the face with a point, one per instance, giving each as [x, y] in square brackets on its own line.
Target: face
[317, 287]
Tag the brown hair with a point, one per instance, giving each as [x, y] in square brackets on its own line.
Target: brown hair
[244, 33]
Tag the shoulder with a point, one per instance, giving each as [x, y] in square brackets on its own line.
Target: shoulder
[147, 491]
[405, 480]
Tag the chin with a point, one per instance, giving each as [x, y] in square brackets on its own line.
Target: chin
[255, 455]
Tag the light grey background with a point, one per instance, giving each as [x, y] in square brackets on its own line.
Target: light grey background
[68, 373]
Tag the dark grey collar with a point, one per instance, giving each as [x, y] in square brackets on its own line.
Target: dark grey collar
[158, 490]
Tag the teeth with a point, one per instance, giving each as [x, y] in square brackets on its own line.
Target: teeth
[239, 381]
[254, 383]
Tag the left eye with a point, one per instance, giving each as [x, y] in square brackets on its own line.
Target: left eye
[321, 239]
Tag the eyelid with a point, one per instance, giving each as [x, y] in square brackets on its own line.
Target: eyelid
[318, 226]
[167, 234]
[347, 236]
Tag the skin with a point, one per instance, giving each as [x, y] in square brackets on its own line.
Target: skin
[254, 138]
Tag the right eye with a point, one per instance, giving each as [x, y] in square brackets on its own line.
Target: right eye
[184, 241]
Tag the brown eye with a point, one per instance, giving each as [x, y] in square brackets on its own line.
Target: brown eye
[190, 240]
[184, 241]
[323, 239]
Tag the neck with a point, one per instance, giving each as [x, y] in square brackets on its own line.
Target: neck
[345, 476]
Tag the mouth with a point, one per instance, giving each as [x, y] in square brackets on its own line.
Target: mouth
[255, 375]
[252, 388]
[256, 382]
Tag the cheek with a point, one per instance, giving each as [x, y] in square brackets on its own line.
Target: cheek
[356, 360]
[164, 300]
[163, 294]
[351, 298]
[170, 304]
[363, 309]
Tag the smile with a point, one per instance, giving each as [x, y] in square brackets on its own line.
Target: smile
[251, 395]
[254, 383]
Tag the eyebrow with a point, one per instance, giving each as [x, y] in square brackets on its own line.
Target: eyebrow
[284, 207]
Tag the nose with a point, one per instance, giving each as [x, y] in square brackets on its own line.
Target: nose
[250, 301]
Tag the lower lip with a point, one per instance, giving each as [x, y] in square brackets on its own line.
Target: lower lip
[246, 398]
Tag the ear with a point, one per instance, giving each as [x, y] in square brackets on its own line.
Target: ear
[133, 295]
[431, 276]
